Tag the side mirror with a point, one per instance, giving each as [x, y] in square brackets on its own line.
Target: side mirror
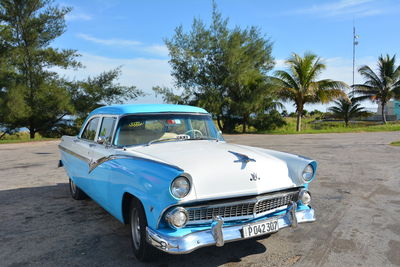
[101, 140]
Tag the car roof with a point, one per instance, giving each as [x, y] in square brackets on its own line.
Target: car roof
[145, 108]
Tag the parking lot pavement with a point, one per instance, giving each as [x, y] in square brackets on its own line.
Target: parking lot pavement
[356, 196]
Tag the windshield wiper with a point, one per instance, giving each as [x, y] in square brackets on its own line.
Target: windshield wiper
[204, 138]
[179, 137]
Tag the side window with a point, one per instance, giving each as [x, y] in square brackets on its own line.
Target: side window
[106, 129]
[90, 131]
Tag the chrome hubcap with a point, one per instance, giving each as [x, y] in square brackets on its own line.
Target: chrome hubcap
[73, 187]
[135, 228]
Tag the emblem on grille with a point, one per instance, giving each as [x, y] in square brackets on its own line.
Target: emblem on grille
[254, 177]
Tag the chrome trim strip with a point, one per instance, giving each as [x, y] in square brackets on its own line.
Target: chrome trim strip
[188, 243]
[87, 160]
[94, 164]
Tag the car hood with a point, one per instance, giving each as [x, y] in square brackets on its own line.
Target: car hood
[219, 169]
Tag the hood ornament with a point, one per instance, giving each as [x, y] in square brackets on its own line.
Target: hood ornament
[244, 159]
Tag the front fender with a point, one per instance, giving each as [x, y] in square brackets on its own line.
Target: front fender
[148, 181]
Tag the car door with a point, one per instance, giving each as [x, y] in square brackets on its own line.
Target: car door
[99, 176]
[84, 145]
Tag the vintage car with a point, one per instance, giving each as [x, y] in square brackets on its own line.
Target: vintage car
[167, 172]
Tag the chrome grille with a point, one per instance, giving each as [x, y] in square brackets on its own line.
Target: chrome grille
[204, 213]
[235, 210]
[270, 204]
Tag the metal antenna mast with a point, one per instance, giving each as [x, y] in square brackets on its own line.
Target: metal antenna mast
[355, 42]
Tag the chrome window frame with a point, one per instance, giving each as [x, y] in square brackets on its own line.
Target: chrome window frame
[112, 131]
[84, 128]
[101, 117]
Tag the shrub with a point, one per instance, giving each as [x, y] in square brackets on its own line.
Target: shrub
[60, 130]
[269, 121]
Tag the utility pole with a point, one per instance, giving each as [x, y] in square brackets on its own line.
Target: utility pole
[355, 42]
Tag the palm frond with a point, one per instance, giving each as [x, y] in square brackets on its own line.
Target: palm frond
[285, 78]
[327, 90]
[346, 108]
[369, 74]
[383, 85]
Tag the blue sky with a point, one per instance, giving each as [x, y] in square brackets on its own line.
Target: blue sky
[130, 34]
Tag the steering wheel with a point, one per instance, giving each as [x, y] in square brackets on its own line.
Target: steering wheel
[194, 133]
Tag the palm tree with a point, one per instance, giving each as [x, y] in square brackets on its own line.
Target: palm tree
[346, 109]
[300, 85]
[382, 86]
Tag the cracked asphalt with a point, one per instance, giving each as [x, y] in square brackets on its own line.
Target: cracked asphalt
[356, 196]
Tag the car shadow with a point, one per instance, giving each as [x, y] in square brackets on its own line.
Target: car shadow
[45, 226]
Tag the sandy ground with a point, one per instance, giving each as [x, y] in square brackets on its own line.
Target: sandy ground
[356, 197]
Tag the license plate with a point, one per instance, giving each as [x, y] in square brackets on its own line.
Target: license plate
[260, 228]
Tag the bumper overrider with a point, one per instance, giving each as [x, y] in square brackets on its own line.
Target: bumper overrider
[218, 234]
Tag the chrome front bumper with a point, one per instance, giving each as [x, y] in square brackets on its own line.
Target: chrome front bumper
[218, 234]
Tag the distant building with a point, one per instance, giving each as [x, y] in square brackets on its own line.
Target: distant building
[392, 110]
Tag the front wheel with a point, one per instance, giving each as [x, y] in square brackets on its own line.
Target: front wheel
[138, 223]
[76, 192]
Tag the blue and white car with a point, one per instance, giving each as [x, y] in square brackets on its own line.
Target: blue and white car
[167, 172]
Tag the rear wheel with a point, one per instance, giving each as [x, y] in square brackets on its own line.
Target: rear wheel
[138, 223]
[76, 192]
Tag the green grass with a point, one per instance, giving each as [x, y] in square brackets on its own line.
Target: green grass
[397, 143]
[310, 126]
[22, 137]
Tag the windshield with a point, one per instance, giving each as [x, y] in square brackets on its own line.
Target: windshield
[145, 129]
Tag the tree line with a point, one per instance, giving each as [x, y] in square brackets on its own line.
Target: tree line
[32, 93]
[225, 70]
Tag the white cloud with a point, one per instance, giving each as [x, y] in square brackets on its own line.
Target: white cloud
[357, 8]
[280, 63]
[78, 16]
[155, 49]
[144, 73]
[341, 69]
[110, 42]
[161, 50]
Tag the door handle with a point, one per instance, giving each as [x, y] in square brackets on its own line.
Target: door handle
[92, 145]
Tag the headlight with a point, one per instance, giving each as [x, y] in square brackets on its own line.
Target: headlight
[180, 187]
[305, 197]
[308, 173]
[177, 218]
